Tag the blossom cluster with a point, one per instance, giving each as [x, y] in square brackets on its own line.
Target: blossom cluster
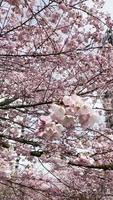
[73, 111]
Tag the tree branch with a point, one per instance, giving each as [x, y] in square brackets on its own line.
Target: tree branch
[25, 105]
[21, 140]
[100, 167]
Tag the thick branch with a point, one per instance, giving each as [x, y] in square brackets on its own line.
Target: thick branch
[25, 105]
[20, 140]
[101, 167]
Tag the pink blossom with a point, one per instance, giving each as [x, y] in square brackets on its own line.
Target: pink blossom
[57, 112]
[69, 121]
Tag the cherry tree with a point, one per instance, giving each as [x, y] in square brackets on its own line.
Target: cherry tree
[55, 68]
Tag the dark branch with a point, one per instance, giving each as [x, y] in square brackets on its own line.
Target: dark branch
[21, 140]
[52, 53]
[101, 167]
[25, 105]
[26, 21]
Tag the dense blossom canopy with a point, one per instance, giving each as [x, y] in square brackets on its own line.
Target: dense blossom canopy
[54, 73]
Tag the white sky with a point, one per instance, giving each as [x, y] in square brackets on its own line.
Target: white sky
[109, 7]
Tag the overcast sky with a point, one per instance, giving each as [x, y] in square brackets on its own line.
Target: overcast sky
[109, 7]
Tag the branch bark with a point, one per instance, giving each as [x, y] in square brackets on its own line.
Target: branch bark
[99, 167]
